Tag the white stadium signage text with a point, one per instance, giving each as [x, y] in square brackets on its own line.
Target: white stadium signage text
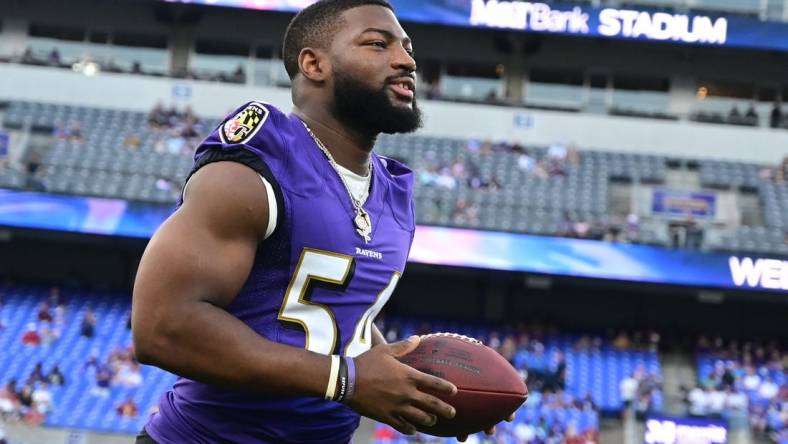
[671, 432]
[621, 23]
[527, 15]
[662, 26]
[770, 274]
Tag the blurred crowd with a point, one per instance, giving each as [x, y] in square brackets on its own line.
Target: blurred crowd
[92, 65]
[32, 399]
[556, 162]
[745, 117]
[747, 383]
[525, 347]
[639, 392]
[178, 132]
[777, 174]
[559, 160]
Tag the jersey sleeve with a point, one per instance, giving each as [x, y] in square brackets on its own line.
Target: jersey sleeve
[249, 135]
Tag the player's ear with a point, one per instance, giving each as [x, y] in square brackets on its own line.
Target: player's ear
[313, 64]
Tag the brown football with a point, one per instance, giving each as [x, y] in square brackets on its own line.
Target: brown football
[489, 389]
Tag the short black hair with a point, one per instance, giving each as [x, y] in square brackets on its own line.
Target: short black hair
[315, 25]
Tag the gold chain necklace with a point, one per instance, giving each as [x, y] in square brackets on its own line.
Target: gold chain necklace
[362, 220]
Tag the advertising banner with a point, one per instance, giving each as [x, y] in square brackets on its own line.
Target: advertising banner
[667, 430]
[630, 23]
[684, 204]
[442, 246]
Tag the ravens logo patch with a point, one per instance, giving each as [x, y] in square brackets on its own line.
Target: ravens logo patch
[244, 125]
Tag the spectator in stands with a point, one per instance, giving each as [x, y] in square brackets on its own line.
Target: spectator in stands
[698, 400]
[776, 116]
[3, 440]
[36, 375]
[768, 389]
[3, 152]
[55, 376]
[622, 341]
[132, 142]
[92, 362]
[693, 239]
[31, 336]
[427, 175]
[524, 432]
[88, 328]
[166, 185]
[60, 314]
[75, 131]
[736, 404]
[728, 375]
[28, 57]
[25, 397]
[558, 371]
[128, 409]
[239, 75]
[43, 313]
[9, 400]
[715, 403]
[586, 403]
[464, 213]
[781, 172]
[71, 132]
[445, 179]
[158, 116]
[33, 170]
[526, 162]
[734, 116]
[491, 97]
[54, 57]
[508, 348]
[758, 419]
[628, 388]
[136, 67]
[55, 298]
[129, 375]
[103, 381]
[751, 380]
[434, 90]
[751, 116]
[59, 130]
[42, 399]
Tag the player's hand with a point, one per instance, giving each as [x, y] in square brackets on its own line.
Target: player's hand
[488, 432]
[397, 394]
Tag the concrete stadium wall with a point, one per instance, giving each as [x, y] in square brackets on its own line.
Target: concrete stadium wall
[588, 131]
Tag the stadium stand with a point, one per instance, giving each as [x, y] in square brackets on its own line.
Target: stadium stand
[555, 190]
[743, 382]
[118, 154]
[572, 377]
[594, 365]
[550, 93]
[84, 361]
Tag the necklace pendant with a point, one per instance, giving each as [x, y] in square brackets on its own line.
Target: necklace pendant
[363, 224]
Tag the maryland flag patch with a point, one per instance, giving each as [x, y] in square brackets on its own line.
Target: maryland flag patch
[244, 125]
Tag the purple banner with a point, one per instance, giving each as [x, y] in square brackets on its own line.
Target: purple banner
[684, 204]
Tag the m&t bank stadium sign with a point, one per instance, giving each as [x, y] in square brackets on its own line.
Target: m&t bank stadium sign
[608, 22]
[571, 19]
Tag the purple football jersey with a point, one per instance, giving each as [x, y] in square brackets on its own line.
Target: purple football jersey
[315, 282]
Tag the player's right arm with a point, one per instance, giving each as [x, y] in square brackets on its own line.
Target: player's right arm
[193, 268]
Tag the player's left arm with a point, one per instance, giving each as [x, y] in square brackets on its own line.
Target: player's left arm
[377, 336]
